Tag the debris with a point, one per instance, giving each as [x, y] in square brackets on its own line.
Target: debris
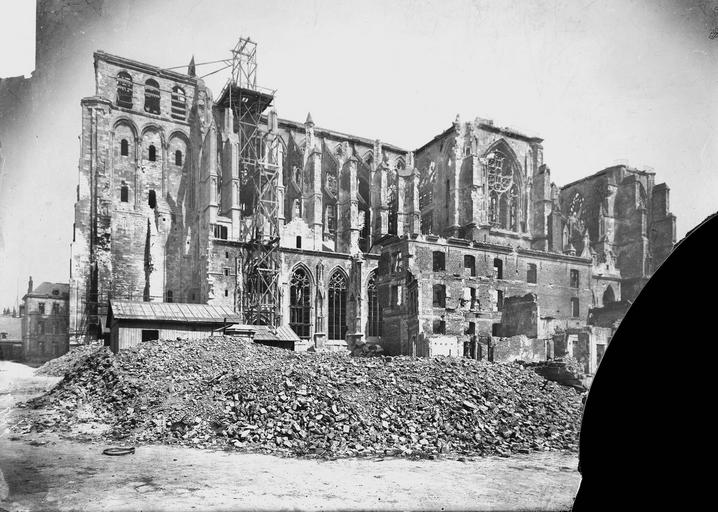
[61, 365]
[310, 404]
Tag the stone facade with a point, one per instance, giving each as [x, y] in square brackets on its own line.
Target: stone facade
[377, 243]
[45, 321]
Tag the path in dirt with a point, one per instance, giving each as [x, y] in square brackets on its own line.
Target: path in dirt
[46, 472]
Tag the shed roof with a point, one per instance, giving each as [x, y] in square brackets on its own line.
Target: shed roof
[265, 332]
[172, 312]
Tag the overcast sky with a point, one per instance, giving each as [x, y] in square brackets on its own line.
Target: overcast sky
[601, 81]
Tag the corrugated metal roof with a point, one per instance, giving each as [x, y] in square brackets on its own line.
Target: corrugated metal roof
[172, 312]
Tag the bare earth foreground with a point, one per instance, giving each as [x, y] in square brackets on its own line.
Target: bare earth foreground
[47, 472]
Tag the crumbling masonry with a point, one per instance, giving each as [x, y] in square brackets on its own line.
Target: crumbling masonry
[415, 250]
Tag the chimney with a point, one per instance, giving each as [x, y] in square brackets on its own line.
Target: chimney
[29, 285]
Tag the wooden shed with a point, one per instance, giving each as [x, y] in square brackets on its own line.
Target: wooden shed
[131, 323]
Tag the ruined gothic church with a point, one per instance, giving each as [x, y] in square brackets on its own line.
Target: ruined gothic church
[377, 243]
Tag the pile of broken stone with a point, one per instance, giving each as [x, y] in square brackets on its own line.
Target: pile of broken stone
[228, 393]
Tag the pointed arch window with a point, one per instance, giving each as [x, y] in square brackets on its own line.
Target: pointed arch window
[179, 103]
[503, 177]
[300, 303]
[152, 153]
[608, 296]
[124, 147]
[337, 306]
[152, 96]
[124, 89]
[374, 312]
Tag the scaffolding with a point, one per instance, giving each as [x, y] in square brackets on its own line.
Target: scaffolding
[259, 167]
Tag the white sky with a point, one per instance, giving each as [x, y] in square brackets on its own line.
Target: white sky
[600, 81]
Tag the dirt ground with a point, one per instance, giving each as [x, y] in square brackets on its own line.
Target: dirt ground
[50, 472]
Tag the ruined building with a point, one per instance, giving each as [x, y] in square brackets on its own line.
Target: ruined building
[347, 239]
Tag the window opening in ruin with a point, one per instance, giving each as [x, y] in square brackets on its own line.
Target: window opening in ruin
[471, 329]
[124, 147]
[498, 268]
[373, 324]
[499, 300]
[41, 308]
[472, 295]
[299, 242]
[337, 306]
[152, 153]
[178, 157]
[439, 296]
[495, 331]
[573, 274]
[395, 295]
[575, 311]
[470, 264]
[447, 197]
[220, 231]
[170, 296]
[152, 96]
[226, 293]
[439, 326]
[531, 273]
[300, 303]
[55, 308]
[124, 89]
[439, 261]
[608, 296]
[124, 194]
[150, 334]
[226, 254]
[226, 271]
[179, 103]
[152, 199]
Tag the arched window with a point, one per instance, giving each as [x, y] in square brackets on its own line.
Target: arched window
[152, 199]
[609, 296]
[373, 317]
[124, 148]
[124, 194]
[152, 153]
[502, 175]
[337, 306]
[152, 97]
[124, 89]
[179, 103]
[300, 303]
[178, 157]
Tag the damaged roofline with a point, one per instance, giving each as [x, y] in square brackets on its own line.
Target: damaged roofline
[488, 127]
[144, 68]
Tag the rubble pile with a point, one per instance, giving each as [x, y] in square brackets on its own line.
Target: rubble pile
[229, 393]
[565, 371]
[61, 365]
